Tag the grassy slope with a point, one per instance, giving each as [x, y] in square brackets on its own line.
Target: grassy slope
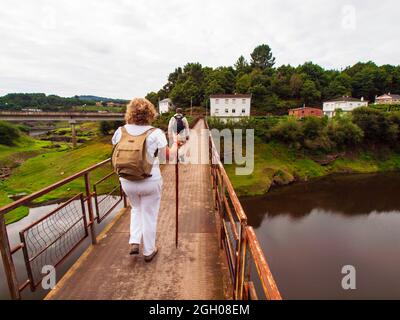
[25, 147]
[45, 169]
[276, 164]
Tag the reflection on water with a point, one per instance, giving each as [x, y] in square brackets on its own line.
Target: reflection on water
[309, 231]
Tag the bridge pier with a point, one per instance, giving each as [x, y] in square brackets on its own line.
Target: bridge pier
[73, 132]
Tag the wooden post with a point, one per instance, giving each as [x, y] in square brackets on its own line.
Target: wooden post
[8, 262]
[90, 209]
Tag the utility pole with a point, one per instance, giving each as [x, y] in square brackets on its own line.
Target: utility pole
[191, 106]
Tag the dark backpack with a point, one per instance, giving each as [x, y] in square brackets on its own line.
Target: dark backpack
[179, 124]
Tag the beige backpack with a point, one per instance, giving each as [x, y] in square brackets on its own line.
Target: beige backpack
[130, 159]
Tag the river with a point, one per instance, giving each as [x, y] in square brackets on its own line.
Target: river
[310, 230]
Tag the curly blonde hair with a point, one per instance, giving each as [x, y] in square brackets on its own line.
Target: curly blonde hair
[140, 111]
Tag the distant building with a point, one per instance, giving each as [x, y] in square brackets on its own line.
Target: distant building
[388, 99]
[99, 104]
[346, 104]
[230, 105]
[306, 112]
[165, 106]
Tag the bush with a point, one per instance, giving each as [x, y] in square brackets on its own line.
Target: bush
[313, 126]
[344, 133]
[107, 126]
[8, 133]
[375, 124]
[288, 131]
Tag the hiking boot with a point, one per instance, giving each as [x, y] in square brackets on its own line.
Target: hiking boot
[150, 257]
[134, 249]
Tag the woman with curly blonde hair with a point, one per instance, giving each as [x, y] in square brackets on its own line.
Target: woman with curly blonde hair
[144, 195]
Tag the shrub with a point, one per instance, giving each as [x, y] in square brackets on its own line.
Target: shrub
[344, 133]
[313, 126]
[107, 126]
[8, 133]
[288, 131]
[375, 124]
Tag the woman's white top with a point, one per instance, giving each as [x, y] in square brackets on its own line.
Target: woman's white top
[156, 140]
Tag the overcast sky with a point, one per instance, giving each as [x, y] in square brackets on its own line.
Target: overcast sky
[126, 48]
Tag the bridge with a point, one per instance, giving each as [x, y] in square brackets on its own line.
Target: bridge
[72, 117]
[218, 256]
[60, 116]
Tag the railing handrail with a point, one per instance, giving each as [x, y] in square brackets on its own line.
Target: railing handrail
[244, 236]
[267, 280]
[13, 205]
[234, 198]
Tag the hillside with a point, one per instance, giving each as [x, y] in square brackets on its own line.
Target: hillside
[275, 89]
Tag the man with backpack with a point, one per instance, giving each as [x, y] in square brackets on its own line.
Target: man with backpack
[178, 127]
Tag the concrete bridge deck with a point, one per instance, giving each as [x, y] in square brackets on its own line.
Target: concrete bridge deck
[196, 270]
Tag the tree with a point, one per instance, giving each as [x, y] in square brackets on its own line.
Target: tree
[242, 66]
[262, 57]
[296, 83]
[309, 93]
[153, 98]
[243, 84]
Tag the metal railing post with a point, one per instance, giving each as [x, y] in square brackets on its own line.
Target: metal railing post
[9, 267]
[240, 262]
[90, 208]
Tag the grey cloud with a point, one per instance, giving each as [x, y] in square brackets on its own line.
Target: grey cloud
[125, 48]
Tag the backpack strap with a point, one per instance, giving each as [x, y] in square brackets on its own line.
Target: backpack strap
[150, 131]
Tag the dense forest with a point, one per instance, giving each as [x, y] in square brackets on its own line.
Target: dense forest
[18, 101]
[275, 89]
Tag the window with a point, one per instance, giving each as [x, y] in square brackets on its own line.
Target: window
[227, 101]
[233, 101]
[243, 110]
[243, 101]
[226, 110]
[216, 110]
[217, 101]
[233, 110]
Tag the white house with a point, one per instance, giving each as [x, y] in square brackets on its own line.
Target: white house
[388, 99]
[230, 105]
[346, 104]
[165, 106]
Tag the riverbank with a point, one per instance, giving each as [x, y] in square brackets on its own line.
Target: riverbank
[275, 165]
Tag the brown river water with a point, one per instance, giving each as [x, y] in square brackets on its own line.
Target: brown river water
[309, 231]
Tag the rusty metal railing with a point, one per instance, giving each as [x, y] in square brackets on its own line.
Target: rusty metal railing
[238, 239]
[52, 238]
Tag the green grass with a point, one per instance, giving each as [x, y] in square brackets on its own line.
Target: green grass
[276, 164]
[25, 147]
[44, 169]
